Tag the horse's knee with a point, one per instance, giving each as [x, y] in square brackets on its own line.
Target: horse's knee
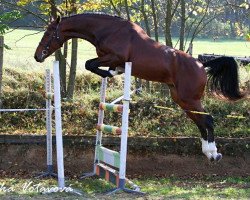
[91, 64]
[88, 65]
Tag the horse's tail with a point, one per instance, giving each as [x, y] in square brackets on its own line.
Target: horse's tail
[223, 77]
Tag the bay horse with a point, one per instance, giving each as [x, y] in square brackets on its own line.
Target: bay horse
[118, 41]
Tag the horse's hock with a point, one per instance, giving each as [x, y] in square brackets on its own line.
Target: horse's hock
[26, 155]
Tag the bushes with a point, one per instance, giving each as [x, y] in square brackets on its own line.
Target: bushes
[79, 116]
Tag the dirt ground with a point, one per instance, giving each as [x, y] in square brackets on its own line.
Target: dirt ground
[28, 160]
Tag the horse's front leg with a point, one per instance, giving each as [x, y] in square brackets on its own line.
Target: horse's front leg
[117, 71]
[93, 66]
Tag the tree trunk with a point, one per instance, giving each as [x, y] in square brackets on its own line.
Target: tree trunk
[127, 10]
[168, 22]
[232, 29]
[72, 73]
[145, 18]
[58, 54]
[118, 12]
[155, 20]
[183, 22]
[73, 63]
[1, 67]
[62, 68]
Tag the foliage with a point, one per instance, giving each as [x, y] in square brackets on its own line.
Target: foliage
[248, 37]
[7, 17]
[80, 115]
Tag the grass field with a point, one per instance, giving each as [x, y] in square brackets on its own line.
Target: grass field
[23, 50]
[167, 188]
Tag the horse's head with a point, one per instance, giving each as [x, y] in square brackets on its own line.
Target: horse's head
[50, 42]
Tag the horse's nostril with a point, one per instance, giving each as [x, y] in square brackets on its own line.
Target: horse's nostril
[36, 58]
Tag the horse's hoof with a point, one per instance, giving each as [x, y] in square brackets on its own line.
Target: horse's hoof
[218, 157]
[211, 159]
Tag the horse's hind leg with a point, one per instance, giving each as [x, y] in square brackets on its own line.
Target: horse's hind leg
[206, 126]
[204, 123]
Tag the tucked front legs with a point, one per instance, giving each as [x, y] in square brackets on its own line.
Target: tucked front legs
[109, 60]
[93, 66]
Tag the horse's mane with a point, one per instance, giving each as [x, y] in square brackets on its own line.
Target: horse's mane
[91, 13]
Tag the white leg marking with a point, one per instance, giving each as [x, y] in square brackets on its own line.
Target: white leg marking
[205, 148]
[120, 69]
[212, 149]
[113, 73]
[116, 71]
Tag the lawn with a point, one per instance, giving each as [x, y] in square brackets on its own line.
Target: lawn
[23, 48]
[155, 188]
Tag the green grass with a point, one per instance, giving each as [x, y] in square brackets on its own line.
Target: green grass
[155, 188]
[21, 55]
[222, 47]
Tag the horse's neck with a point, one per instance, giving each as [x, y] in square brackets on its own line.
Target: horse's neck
[79, 27]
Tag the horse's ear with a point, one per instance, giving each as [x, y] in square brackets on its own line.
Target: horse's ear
[58, 19]
[51, 19]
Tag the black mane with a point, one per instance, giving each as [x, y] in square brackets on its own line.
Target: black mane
[91, 13]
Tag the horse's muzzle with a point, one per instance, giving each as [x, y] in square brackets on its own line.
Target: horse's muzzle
[38, 59]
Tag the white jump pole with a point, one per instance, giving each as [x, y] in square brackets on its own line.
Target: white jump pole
[100, 119]
[48, 112]
[58, 126]
[98, 133]
[49, 122]
[125, 121]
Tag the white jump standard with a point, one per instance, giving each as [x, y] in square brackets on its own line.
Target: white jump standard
[105, 158]
[58, 129]
[49, 110]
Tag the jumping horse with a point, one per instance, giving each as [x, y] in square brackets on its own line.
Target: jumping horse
[118, 41]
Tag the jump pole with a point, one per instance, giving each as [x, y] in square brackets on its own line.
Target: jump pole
[124, 136]
[58, 129]
[49, 122]
[49, 110]
[98, 132]
[58, 126]
[106, 158]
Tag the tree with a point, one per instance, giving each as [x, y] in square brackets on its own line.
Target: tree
[5, 19]
[237, 14]
[46, 10]
[72, 74]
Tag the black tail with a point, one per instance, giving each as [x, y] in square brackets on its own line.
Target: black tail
[223, 77]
